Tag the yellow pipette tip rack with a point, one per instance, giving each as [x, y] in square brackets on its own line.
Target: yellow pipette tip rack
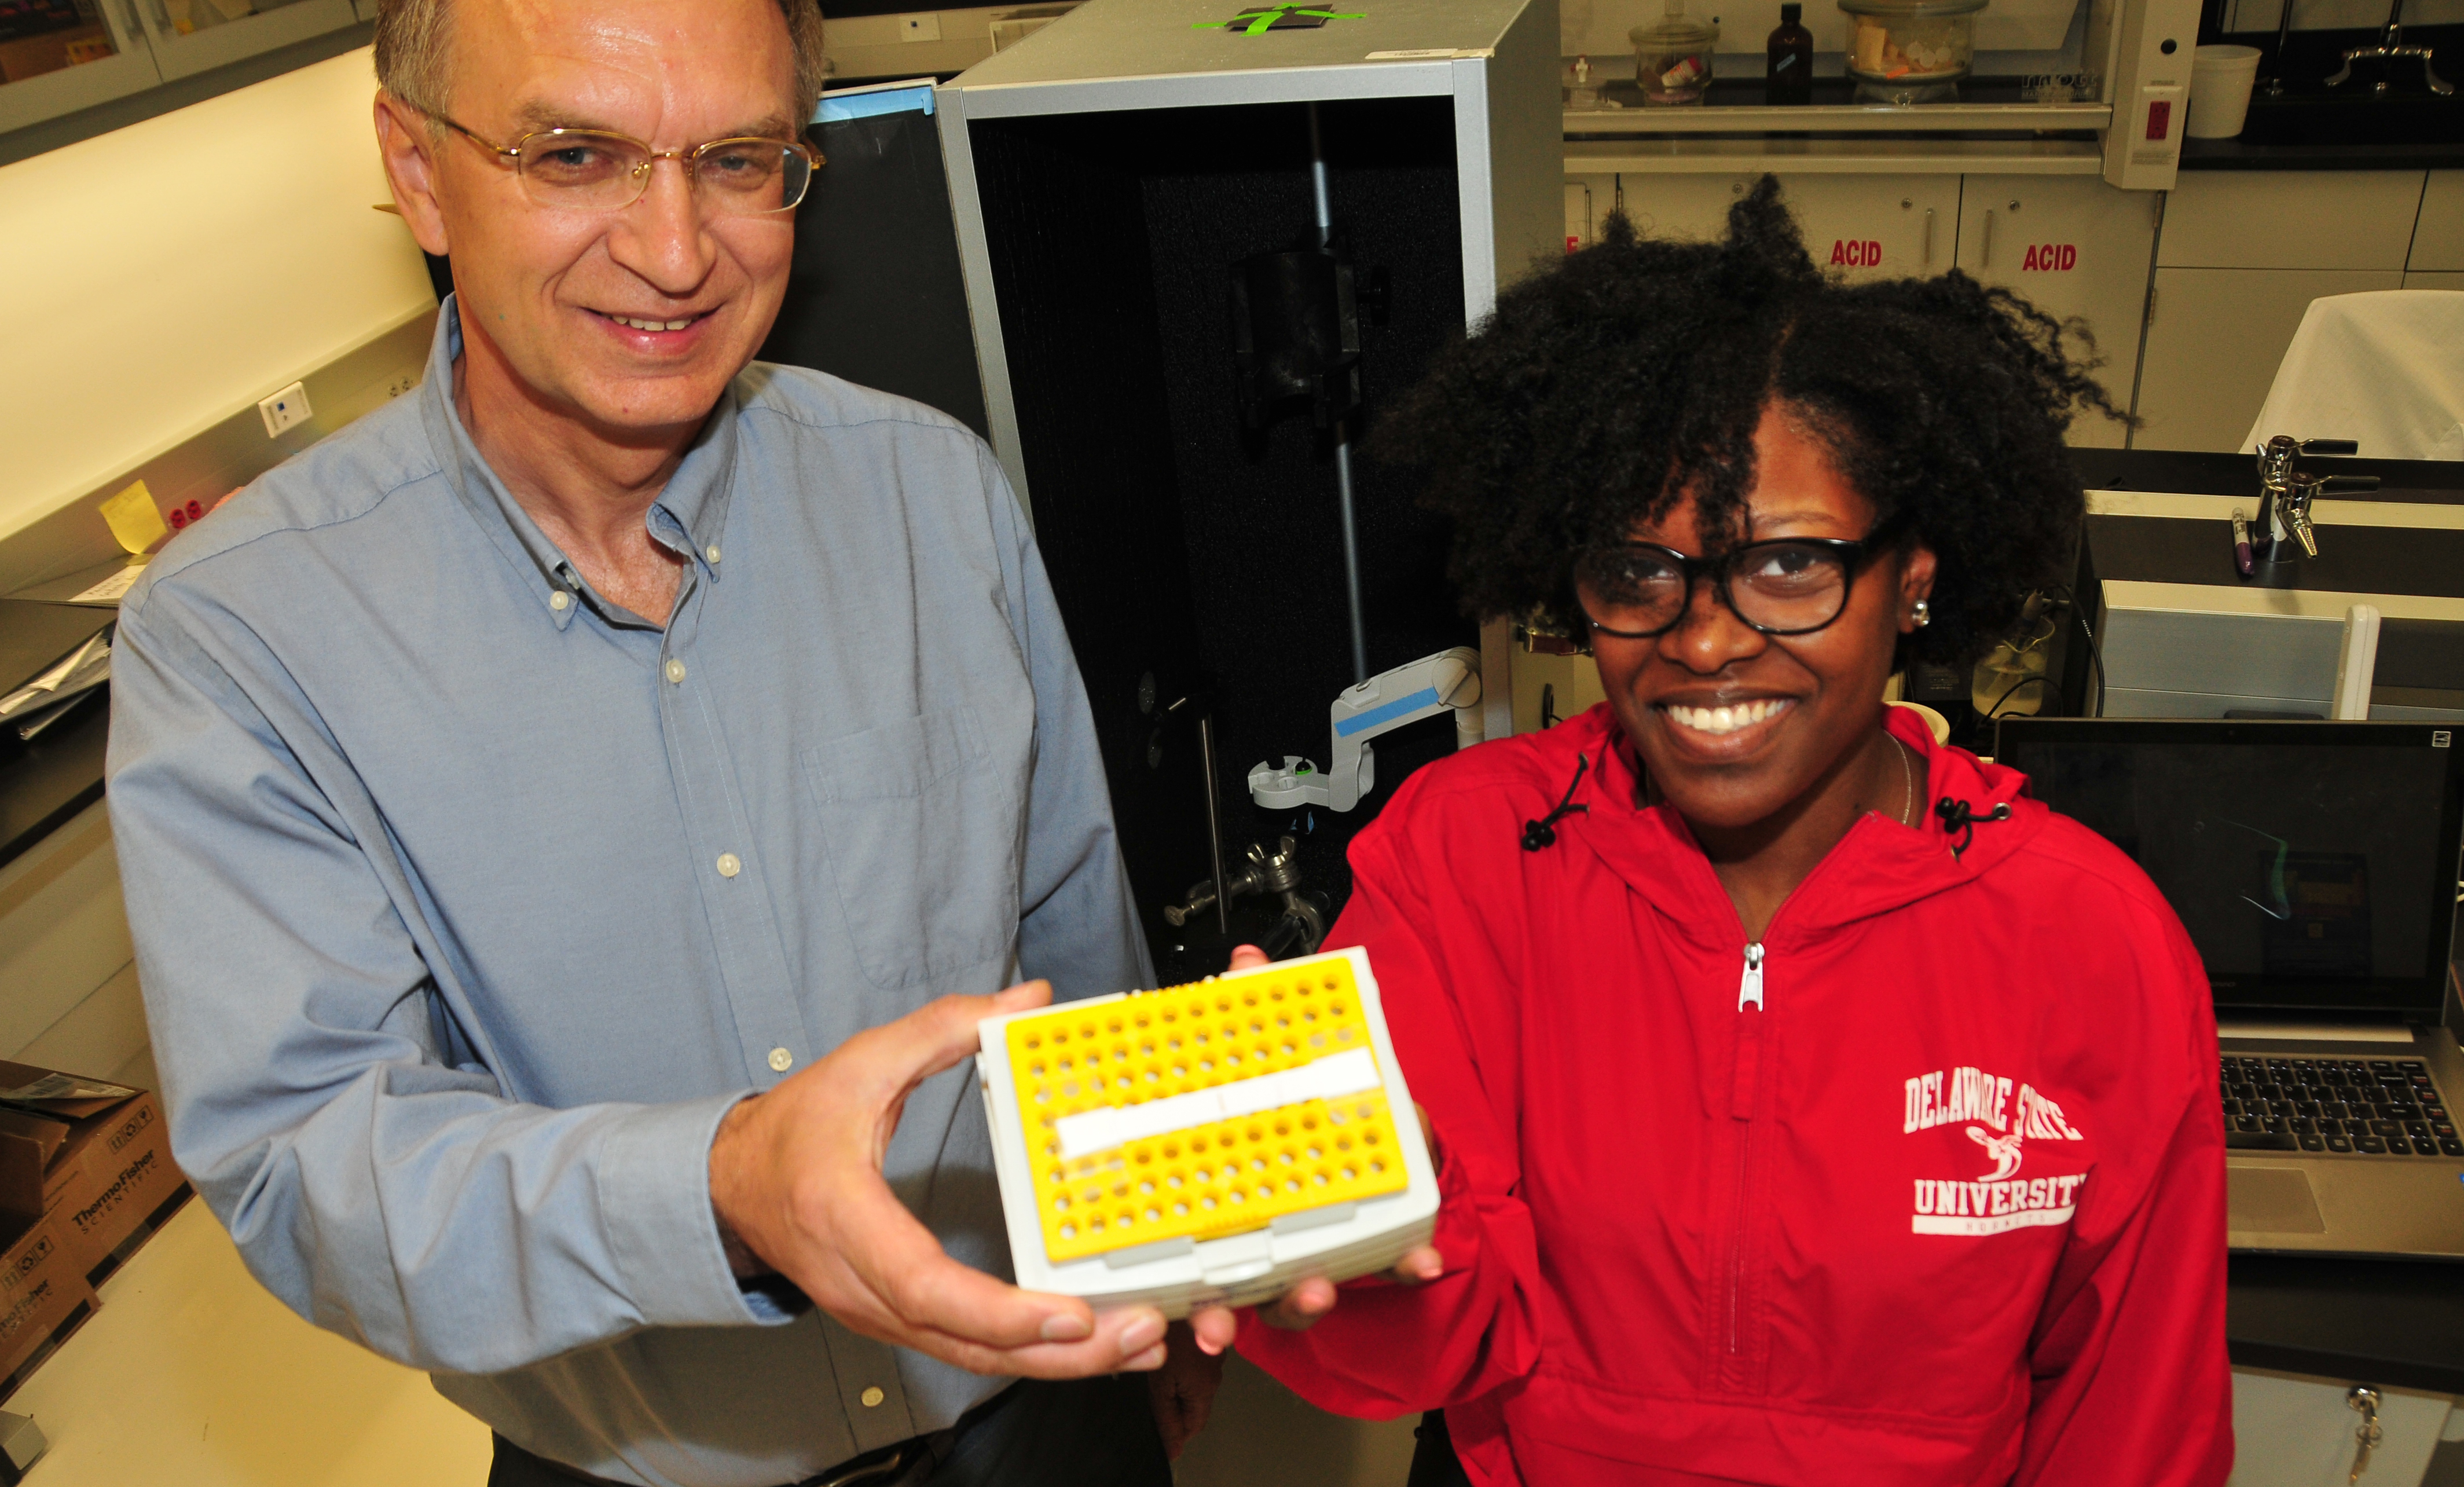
[1206, 1141]
[1219, 1177]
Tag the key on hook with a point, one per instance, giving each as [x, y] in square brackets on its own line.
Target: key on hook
[2365, 1402]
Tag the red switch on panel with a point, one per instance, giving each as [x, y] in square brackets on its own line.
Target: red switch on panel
[2160, 117]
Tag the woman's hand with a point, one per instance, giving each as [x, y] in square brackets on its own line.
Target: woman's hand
[1182, 1391]
[1300, 1307]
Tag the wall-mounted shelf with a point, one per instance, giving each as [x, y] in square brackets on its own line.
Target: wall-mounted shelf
[271, 24]
[1836, 119]
[36, 96]
[1683, 155]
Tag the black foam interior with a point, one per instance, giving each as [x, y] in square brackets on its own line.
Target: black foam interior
[875, 294]
[1180, 549]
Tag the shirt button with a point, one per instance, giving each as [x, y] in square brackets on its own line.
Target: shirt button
[780, 1061]
[711, 553]
[872, 1396]
[675, 671]
[559, 600]
[728, 865]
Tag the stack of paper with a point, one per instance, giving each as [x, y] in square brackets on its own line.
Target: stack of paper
[39, 703]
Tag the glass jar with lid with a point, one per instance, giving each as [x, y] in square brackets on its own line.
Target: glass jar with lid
[1910, 46]
[1672, 57]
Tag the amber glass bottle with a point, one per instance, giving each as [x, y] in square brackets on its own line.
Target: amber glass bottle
[1789, 63]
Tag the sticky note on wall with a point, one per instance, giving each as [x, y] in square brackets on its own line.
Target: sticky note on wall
[134, 519]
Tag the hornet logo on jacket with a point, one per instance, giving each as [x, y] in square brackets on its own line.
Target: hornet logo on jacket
[2001, 1116]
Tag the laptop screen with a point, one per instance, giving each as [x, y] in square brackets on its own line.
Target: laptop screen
[2313, 863]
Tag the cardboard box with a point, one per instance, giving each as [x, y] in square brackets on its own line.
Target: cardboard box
[126, 1187]
[96, 1158]
[43, 1295]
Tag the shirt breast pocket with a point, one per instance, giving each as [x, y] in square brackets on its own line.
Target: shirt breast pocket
[924, 837]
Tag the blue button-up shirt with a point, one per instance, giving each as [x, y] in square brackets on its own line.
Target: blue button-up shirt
[467, 901]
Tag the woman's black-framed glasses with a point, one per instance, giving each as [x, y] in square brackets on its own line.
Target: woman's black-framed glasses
[1789, 586]
[598, 170]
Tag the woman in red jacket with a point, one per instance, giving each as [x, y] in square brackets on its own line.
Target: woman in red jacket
[1811, 1106]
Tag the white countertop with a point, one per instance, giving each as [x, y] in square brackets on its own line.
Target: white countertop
[192, 1373]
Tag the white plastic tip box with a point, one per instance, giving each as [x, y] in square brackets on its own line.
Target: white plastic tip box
[1216, 1143]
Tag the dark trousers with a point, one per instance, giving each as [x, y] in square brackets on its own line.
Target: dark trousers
[1433, 1462]
[1086, 1432]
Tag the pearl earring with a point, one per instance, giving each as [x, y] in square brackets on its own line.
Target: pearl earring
[1924, 614]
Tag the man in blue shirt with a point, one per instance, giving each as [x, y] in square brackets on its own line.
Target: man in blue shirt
[550, 808]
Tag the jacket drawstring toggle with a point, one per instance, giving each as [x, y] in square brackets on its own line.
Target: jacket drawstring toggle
[1543, 833]
[1958, 816]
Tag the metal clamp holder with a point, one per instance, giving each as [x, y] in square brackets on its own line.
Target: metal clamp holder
[1433, 684]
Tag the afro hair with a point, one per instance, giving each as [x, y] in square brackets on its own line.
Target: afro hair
[1606, 389]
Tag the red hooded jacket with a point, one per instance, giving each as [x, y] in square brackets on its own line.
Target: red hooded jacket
[1936, 1197]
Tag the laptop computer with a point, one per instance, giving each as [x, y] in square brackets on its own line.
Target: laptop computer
[2315, 865]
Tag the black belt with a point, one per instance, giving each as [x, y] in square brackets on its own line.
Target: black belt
[907, 1464]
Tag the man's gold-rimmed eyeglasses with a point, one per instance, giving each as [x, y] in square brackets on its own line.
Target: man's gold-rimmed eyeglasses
[597, 170]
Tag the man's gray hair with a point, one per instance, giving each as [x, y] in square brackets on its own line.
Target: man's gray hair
[413, 36]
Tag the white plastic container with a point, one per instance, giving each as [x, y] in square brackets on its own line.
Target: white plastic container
[1206, 1144]
[2221, 77]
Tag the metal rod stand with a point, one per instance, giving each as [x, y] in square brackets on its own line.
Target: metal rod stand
[1214, 822]
[1342, 436]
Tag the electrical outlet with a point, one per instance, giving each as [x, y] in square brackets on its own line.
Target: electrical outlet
[401, 384]
[926, 27]
[285, 410]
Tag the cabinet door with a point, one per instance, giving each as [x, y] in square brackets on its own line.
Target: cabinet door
[2451, 282]
[1859, 226]
[1877, 226]
[2076, 248]
[2289, 219]
[193, 35]
[1687, 205]
[2293, 1430]
[2439, 238]
[40, 77]
[1589, 200]
[2214, 337]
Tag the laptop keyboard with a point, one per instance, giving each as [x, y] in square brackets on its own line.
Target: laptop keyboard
[2373, 1107]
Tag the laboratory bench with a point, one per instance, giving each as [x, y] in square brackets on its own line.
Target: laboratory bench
[2234, 154]
[2207, 473]
[2397, 1323]
[2393, 1323]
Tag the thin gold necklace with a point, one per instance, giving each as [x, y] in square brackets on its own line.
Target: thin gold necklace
[1907, 779]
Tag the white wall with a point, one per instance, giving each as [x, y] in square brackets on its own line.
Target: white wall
[164, 276]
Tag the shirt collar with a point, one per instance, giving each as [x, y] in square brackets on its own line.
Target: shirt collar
[688, 517]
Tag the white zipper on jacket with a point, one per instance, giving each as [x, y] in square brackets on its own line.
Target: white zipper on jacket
[1746, 1080]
